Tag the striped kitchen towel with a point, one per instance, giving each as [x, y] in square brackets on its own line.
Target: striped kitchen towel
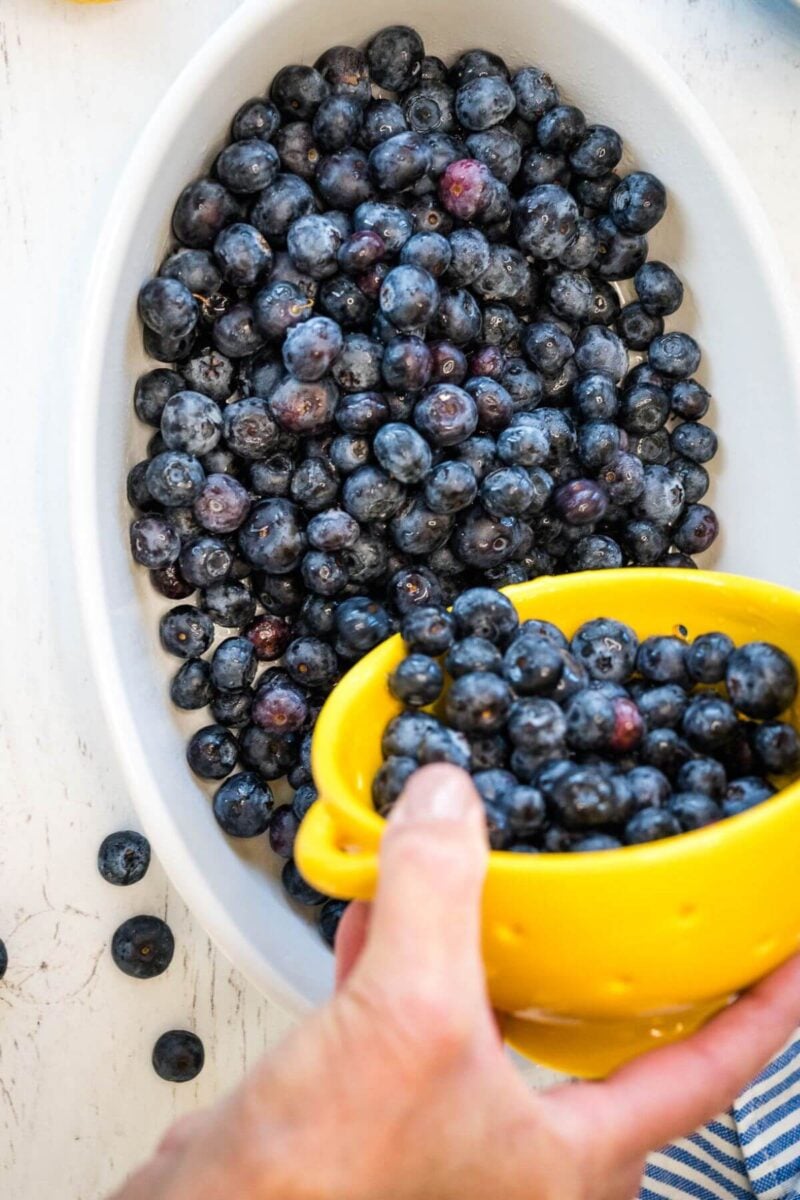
[751, 1151]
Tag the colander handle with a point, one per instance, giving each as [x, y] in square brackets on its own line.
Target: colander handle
[331, 859]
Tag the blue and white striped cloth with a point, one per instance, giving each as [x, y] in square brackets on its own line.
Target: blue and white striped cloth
[751, 1151]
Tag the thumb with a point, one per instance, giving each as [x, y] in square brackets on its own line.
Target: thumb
[426, 917]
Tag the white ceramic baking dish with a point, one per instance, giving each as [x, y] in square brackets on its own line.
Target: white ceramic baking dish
[737, 305]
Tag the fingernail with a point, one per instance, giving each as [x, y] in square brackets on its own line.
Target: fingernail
[443, 794]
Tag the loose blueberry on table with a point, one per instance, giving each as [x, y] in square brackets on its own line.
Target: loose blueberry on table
[178, 1056]
[123, 858]
[593, 743]
[393, 366]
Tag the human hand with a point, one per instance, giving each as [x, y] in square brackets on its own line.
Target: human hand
[399, 1088]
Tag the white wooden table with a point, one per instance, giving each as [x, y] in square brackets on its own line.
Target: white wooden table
[79, 1102]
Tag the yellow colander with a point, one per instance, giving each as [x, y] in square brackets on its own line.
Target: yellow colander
[592, 959]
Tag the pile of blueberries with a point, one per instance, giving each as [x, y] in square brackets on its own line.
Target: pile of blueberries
[400, 366]
[593, 743]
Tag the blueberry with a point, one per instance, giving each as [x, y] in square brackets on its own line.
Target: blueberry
[696, 530]
[746, 793]
[256, 118]
[242, 805]
[123, 858]
[178, 1056]
[361, 250]
[662, 497]
[581, 502]
[662, 705]
[619, 255]
[281, 204]
[708, 723]
[580, 252]
[270, 754]
[298, 91]
[278, 307]
[598, 443]
[488, 752]
[283, 828]
[358, 367]
[416, 681]
[465, 188]
[370, 495]
[469, 257]
[590, 721]
[659, 289]
[689, 399]
[210, 373]
[168, 307]
[167, 349]
[389, 781]
[595, 552]
[761, 680]
[306, 407]
[345, 70]
[459, 317]
[581, 796]
[705, 776]
[651, 825]
[777, 747]
[272, 537]
[570, 295]
[196, 269]
[205, 560]
[474, 64]
[404, 733]
[247, 166]
[483, 541]
[186, 632]
[336, 122]
[298, 889]
[676, 355]
[174, 478]
[409, 297]
[230, 603]
[484, 613]
[191, 686]
[499, 150]
[547, 346]
[429, 109]
[381, 119]
[399, 161]
[638, 202]
[152, 392]
[348, 453]
[649, 786]
[313, 243]
[598, 151]
[3, 958]
[694, 810]
[402, 452]
[233, 665]
[222, 504]
[309, 351]
[484, 101]
[202, 210]
[315, 484]
[343, 179]
[362, 623]
[388, 221]
[311, 662]
[154, 541]
[345, 301]
[478, 702]
[544, 166]
[507, 277]
[537, 725]
[534, 91]
[607, 649]
[235, 333]
[595, 841]
[694, 441]
[330, 915]
[545, 221]
[665, 749]
[142, 947]
[332, 530]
